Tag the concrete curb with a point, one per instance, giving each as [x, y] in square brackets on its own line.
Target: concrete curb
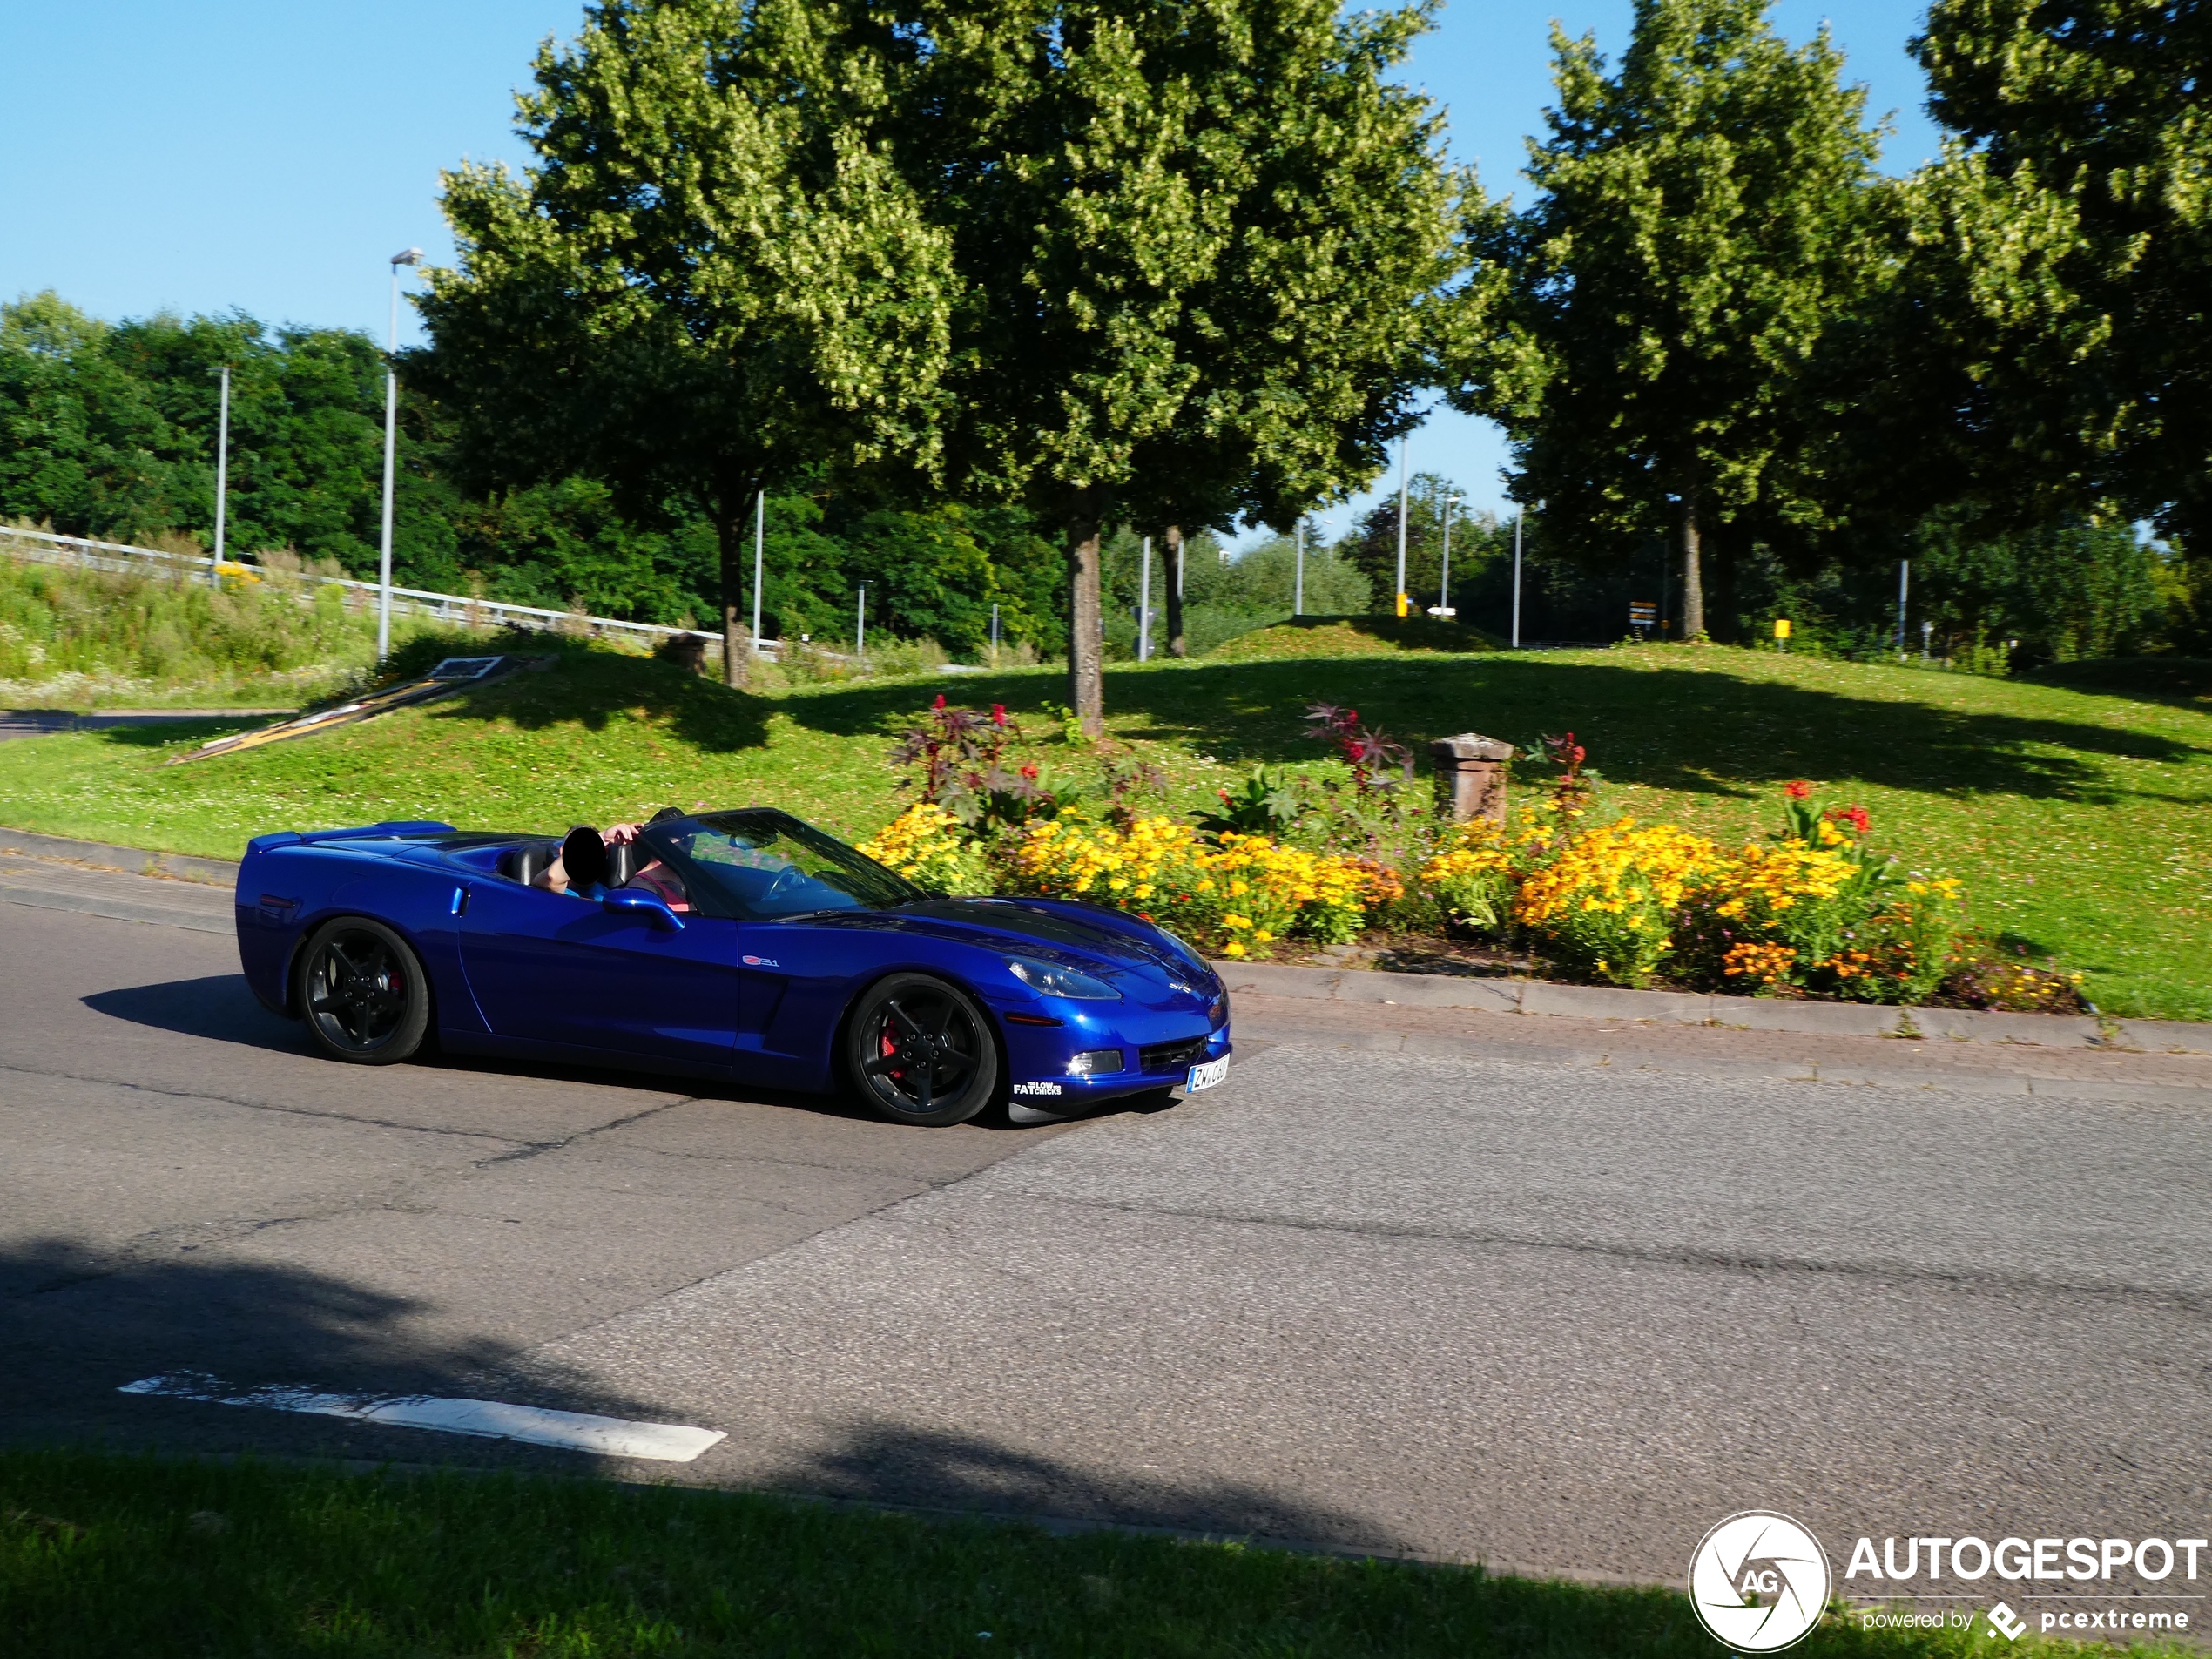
[178, 867]
[1529, 996]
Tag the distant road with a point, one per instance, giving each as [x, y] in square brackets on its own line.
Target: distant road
[1556, 1317]
[42, 723]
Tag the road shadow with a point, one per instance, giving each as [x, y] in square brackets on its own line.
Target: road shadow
[906, 1466]
[80, 1322]
[221, 1007]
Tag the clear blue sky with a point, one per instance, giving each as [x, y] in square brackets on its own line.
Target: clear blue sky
[203, 155]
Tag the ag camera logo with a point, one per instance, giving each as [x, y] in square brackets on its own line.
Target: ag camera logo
[1758, 1581]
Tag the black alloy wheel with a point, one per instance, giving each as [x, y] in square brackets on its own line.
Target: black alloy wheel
[363, 993]
[921, 1052]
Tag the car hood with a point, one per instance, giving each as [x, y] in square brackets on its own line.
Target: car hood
[1023, 926]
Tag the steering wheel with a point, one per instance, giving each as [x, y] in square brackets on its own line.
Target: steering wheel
[789, 881]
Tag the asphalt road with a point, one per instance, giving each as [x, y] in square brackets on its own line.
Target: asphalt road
[1447, 1305]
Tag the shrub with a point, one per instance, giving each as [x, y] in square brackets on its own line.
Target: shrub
[926, 845]
[1471, 875]
[1813, 910]
[1239, 895]
[1604, 903]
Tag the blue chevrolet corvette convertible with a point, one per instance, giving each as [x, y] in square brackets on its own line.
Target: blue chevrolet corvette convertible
[743, 945]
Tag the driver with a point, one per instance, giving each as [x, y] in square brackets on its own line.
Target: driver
[654, 876]
[581, 869]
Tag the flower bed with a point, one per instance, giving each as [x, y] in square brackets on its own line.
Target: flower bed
[1812, 911]
[1231, 895]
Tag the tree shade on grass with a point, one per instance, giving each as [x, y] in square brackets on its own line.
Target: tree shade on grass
[2078, 821]
[103, 1555]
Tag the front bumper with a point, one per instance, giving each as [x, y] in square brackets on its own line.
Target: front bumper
[1039, 1060]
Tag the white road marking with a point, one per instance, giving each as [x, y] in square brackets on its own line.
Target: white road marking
[487, 1418]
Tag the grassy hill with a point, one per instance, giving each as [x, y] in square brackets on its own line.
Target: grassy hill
[2078, 820]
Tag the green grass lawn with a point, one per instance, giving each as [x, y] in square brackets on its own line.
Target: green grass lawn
[103, 1555]
[2078, 820]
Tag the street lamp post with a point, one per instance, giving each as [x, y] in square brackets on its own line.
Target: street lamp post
[1444, 598]
[1298, 581]
[222, 478]
[760, 563]
[1903, 574]
[860, 624]
[411, 256]
[1403, 443]
[1518, 519]
[1144, 604]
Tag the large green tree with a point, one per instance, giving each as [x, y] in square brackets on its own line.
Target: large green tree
[1703, 218]
[715, 278]
[2083, 312]
[1191, 240]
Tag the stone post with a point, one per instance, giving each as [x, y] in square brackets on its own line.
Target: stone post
[1471, 777]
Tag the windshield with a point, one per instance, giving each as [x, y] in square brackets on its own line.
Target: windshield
[763, 865]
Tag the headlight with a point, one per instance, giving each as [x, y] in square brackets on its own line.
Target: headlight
[1062, 982]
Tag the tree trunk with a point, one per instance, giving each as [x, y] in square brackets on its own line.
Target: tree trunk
[1171, 539]
[1086, 650]
[1693, 575]
[730, 527]
[1724, 551]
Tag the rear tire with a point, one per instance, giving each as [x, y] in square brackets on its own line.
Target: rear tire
[363, 993]
[919, 1051]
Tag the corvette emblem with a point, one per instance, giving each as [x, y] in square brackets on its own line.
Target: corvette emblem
[761, 962]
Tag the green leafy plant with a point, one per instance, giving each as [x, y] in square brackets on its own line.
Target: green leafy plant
[1268, 803]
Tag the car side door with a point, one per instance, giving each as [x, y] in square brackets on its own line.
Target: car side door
[547, 969]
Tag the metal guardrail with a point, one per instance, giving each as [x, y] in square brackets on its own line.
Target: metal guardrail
[43, 547]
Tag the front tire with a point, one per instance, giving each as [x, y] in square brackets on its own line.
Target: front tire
[363, 993]
[919, 1051]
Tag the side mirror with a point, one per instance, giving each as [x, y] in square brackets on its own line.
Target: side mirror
[631, 900]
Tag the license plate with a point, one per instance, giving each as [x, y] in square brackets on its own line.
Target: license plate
[1207, 1076]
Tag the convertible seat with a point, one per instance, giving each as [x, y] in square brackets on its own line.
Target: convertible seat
[527, 862]
[623, 862]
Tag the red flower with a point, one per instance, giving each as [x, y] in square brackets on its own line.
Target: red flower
[998, 714]
[1796, 789]
[1855, 816]
[1030, 772]
[940, 702]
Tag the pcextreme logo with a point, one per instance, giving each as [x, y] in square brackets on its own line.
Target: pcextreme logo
[1758, 1581]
